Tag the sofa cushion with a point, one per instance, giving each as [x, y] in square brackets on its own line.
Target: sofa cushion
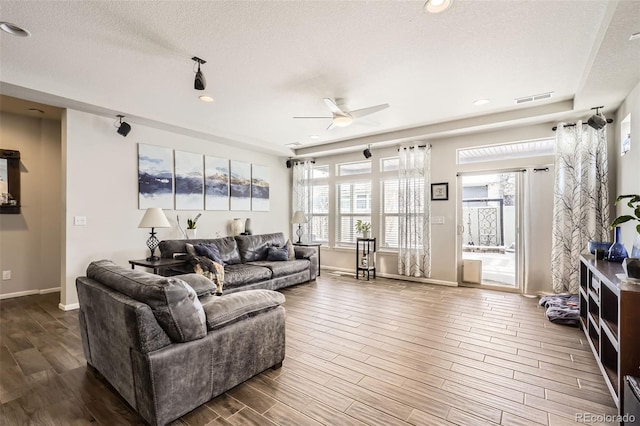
[242, 274]
[222, 311]
[291, 250]
[173, 302]
[209, 250]
[255, 247]
[228, 249]
[199, 283]
[282, 269]
[278, 254]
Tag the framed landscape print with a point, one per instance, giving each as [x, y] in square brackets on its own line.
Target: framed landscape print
[216, 183]
[189, 169]
[155, 177]
[240, 183]
[259, 188]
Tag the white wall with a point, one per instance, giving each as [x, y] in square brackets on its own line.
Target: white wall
[30, 241]
[101, 173]
[628, 166]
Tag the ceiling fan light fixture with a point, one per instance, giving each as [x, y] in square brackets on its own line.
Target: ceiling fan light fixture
[14, 29]
[437, 6]
[342, 120]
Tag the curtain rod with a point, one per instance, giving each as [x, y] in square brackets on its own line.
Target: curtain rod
[411, 147]
[554, 128]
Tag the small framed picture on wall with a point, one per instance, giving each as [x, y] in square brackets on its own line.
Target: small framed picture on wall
[440, 191]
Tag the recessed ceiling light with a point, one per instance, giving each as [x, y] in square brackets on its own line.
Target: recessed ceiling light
[13, 29]
[36, 111]
[205, 98]
[479, 102]
[437, 6]
[634, 36]
[314, 137]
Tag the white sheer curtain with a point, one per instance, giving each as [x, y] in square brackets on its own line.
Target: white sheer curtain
[581, 201]
[414, 212]
[302, 193]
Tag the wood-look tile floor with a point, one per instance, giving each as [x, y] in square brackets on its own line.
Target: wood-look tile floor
[382, 352]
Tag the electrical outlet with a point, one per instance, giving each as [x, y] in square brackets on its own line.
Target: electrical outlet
[79, 220]
[6, 275]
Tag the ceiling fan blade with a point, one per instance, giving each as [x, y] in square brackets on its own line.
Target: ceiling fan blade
[331, 126]
[366, 111]
[333, 107]
[313, 117]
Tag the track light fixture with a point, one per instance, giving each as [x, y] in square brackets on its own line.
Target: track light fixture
[123, 127]
[199, 83]
[367, 152]
[596, 120]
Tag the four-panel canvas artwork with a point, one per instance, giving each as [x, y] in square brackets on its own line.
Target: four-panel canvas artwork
[188, 181]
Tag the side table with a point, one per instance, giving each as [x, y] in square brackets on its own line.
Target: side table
[311, 245]
[365, 257]
[156, 265]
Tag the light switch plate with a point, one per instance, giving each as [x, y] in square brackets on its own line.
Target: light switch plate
[439, 220]
[79, 220]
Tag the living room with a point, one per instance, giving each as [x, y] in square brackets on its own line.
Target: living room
[79, 191]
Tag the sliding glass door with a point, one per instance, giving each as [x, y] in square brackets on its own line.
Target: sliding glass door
[489, 223]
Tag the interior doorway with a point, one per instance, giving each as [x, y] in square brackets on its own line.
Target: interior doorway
[489, 223]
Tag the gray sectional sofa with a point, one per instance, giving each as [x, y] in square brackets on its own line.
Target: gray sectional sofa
[167, 345]
[245, 261]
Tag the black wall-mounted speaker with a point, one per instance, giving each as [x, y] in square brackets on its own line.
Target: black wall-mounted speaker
[289, 163]
[367, 153]
[124, 129]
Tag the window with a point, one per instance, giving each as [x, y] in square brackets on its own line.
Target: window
[359, 168]
[320, 214]
[390, 164]
[506, 151]
[389, 213]
[354, 202]
[320, 172]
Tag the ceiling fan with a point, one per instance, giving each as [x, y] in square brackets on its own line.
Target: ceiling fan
[342, 117]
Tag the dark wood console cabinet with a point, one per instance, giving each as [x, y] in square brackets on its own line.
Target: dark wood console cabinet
[610, 318]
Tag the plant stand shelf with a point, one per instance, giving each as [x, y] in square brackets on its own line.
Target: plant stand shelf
[366, 257]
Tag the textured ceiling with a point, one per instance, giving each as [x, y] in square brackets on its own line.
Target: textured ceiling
[270, 61]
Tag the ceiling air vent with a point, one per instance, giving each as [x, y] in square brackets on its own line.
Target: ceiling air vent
[532, 98]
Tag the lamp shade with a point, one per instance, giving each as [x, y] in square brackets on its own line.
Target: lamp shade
[154, 218]
[299, 217]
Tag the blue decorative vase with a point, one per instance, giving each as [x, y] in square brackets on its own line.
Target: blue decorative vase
[617, 252]
[635, 252]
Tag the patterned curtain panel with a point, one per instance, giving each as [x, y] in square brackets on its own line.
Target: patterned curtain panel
[414, 212]
[302, 193]
[581, 201]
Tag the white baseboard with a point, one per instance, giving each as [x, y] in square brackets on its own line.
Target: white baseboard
[396, 277]
[29, 293]
[69, 307]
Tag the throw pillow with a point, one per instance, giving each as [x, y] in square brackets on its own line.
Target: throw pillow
[292, 252]
[277, 253]
[209, 250]
[190, 249]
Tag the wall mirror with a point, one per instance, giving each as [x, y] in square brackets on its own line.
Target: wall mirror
[9, 181]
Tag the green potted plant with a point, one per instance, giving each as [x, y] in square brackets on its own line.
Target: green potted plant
[363, 228]
[632, 265]
[191, 226]
[634, 204]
